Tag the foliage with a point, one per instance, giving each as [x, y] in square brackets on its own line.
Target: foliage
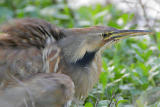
[129, 68]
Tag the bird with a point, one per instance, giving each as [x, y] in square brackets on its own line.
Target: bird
[39, 59]
[44, 90]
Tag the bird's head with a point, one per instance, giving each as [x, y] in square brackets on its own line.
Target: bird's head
[81, 44]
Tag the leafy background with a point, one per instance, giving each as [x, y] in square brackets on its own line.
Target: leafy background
[131, 71]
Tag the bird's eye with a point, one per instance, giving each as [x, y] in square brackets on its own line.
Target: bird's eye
[105, 35]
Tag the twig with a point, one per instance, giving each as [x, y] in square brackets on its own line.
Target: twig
[147, 19]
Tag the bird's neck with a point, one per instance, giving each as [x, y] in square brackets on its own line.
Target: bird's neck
[86, 76]
[86, 59]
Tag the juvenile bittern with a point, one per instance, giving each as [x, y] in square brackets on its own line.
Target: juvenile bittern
[44, 65]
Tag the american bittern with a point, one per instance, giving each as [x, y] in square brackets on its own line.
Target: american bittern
[45, 66]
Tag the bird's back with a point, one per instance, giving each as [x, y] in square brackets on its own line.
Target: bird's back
[28, 47]
[28, 32]
[25, 45]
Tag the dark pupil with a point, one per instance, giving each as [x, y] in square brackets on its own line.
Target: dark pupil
[106, 35]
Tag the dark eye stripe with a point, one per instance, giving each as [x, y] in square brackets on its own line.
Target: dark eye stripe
[106, 35]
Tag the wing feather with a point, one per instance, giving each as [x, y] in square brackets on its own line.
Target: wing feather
[24, 50]
[28, 32]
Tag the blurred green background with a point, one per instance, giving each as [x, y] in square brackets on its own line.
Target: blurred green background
[131, 68]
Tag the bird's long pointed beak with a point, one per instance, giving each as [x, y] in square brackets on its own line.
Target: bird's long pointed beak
[120, 34]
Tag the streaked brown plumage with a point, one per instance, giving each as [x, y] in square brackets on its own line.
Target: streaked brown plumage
[30, 47]
[25, 53]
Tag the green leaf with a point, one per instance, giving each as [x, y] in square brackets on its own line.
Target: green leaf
[88, 104]
[103, 103]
